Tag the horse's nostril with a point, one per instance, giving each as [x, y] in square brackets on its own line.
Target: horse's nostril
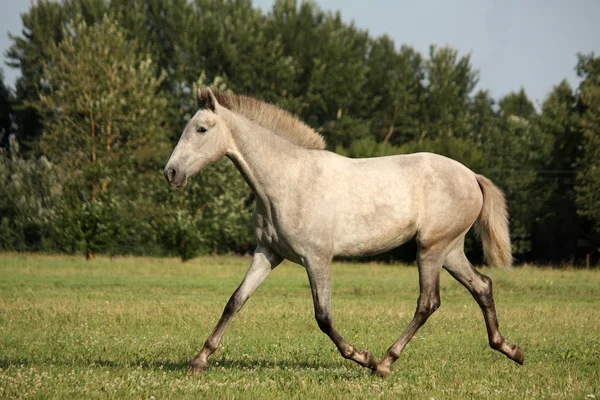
[170, 174]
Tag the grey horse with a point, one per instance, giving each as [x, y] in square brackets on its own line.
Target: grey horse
[313, 205]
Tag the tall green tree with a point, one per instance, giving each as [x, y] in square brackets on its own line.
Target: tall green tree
[7, 114]
[331, 73]
[450, 79]
[588, 177]
[516, 150]
[172, 33]
[297, 25]
[484, 117]
[92, 78]
[42, 27]
[557, 228]
[336, 88]
[395, 91]
[103, 117]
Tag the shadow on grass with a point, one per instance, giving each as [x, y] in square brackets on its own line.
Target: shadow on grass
[176, 366]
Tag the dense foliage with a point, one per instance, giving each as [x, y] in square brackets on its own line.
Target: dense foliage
[106, 89]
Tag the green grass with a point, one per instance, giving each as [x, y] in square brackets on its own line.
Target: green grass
[127, 327]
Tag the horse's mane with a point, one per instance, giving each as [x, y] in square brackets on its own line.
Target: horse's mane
[276, 120]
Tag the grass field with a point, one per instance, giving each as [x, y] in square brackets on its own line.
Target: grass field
[127, 327]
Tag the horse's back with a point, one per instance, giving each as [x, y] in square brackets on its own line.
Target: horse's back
[418, 172]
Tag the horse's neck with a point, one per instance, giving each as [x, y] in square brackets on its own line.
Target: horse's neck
[263, 158]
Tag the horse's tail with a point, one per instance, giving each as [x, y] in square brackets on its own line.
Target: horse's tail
[492, 225]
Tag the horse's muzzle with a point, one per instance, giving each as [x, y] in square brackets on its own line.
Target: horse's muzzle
[175, 178]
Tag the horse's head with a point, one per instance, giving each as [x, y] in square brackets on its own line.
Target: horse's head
[205, 140]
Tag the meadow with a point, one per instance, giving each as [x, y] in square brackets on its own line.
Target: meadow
[127, 328]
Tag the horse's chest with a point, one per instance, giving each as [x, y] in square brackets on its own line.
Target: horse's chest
[276, 234]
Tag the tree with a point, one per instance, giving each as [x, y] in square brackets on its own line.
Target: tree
[336, 92]
[328, 60]
[588, 176]
[484, 118]
[557, 227]
[395, 91]
[516, 150]
[297, 26]
[101, 103]
[107, 88]
[30, 193]
[102, 114]
[42, 27]
[450, 81]
[172, 33]
[7, 114]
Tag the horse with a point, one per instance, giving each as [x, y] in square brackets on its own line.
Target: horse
[313, 205]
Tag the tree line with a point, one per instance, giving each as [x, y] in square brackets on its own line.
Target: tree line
[106, 88]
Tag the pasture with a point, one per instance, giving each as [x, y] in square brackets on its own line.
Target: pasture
[127, 328]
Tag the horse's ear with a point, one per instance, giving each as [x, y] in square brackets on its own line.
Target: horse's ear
[206, 99]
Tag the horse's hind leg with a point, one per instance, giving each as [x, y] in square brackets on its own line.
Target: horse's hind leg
[480, 286]
[319, 276]
[430, 263]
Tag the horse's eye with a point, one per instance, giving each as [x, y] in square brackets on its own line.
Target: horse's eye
[200, 129]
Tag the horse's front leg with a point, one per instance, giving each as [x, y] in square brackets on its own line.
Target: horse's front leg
[320, 283]
[262, 264]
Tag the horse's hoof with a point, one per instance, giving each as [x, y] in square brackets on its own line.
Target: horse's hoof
[518, 356]
[368, 360]
[381, 371]
[197, 368]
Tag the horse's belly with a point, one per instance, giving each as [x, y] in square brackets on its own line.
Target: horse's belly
[370, 240]
[376, 213]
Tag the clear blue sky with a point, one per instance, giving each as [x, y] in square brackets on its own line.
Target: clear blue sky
[513, 43]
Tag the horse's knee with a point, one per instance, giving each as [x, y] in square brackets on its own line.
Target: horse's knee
[234, 304]
[484, 292]
[486, 287]
[230, 308]
[426, 308]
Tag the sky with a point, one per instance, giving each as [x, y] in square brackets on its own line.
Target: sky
[513, 43]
